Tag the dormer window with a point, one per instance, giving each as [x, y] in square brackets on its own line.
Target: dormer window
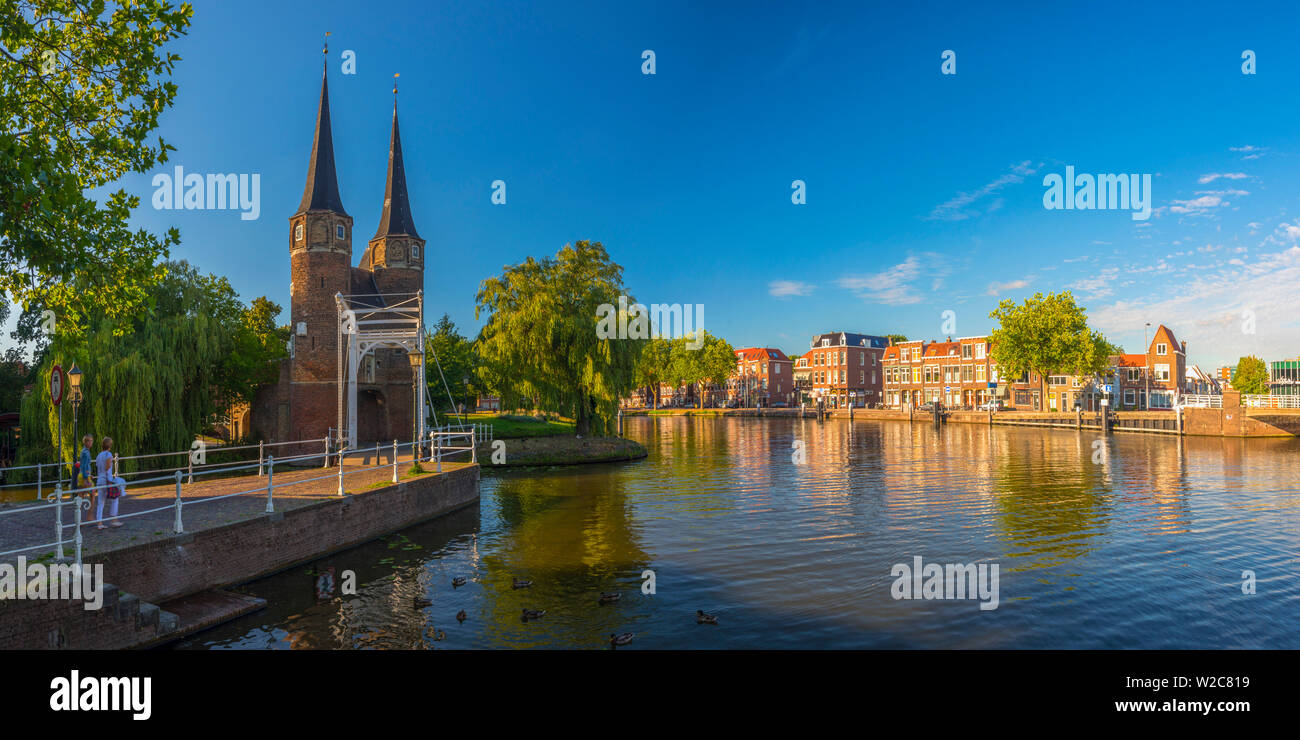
[297, 233]
[338, 231]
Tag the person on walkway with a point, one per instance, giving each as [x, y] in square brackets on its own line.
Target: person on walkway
[111, 486]
[84, 477]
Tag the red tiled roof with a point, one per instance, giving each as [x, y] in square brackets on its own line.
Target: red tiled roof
[891, 353]
[761, 353]
[1130, 360]
[942, 349]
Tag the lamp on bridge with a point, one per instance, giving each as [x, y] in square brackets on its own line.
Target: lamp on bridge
[416, 358]
[74, 383]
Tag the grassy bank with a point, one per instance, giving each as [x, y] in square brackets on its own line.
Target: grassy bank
[517, 426]
[561, 450]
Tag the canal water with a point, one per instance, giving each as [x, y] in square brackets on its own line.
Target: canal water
[789, 532]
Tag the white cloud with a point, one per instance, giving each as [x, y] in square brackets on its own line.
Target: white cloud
[1204, 179]
[1098, 285]
[962, 206]
[787, 288]
[891, 286]
[996, 288]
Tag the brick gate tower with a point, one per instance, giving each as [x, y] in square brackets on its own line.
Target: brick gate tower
[304, 403]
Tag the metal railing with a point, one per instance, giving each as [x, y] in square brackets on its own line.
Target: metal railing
[1202, 401]
[1270, 401]
[439, 445]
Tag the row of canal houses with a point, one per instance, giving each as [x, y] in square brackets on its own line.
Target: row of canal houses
[865, 370]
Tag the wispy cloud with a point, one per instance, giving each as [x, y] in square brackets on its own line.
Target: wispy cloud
[891, 286]
[1096, 286]
[1211, 177]
[996, 288]
[787, 288]
[1249, 151]
[963, 205]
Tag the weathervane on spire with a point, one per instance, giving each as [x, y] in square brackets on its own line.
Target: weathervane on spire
[395, 76]
[326, 50]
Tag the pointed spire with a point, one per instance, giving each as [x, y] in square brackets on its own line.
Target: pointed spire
[322, 190]
[396, 217]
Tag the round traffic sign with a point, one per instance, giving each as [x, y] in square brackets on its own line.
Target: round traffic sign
[57, 382]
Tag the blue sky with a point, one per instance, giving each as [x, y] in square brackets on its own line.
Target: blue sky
[924, 191]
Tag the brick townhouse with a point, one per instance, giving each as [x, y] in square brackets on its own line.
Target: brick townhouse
[763, 377]
[957, 373]
[845, 368]
[802, 378]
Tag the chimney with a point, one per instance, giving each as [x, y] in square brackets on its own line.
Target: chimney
[1184, 343]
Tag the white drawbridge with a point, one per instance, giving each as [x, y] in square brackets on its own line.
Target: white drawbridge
[371, 322]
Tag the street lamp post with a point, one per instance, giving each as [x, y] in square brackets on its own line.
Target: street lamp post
[1146, 367]
[417, 361]
[74, 383]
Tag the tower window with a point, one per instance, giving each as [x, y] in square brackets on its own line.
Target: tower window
[339, 230]
[415, 251]
[322, 281]
[297, 233]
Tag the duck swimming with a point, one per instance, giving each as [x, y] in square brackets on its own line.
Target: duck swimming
[533, 614]
[609, 598]
[622, 639]
[702, 618]
[457, 582]
[460, 616]
[520, 583]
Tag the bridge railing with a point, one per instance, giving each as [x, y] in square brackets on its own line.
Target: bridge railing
[1202, 401]
[441, 443]
[1270, 401]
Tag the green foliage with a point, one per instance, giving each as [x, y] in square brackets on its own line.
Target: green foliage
[445, 348]
[1047, 335]
[155, 380]
[1251, 376]
[654, 366]
[896, 338]
[81, 88]
[540, 344]
[710, 364]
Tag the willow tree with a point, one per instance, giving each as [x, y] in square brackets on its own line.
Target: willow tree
[154, 380]
[541, 335]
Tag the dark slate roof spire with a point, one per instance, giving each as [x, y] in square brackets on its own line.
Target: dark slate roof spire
[396, 217]
[322, 191]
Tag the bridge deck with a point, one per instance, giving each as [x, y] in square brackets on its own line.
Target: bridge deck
[38, 526]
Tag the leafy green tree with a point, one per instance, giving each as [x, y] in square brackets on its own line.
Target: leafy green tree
[1251, 376]
[453, 354]
[541, 335]
[710, 363]
[1047, 335]
[82, 85]
[654, 366]
[896, 338]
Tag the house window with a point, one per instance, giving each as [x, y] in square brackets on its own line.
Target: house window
[979, 373]
[1128, 397]
[1162, 372]
[979, 351]
[777, 370]
[1133, 374]
[965, 351]
[1162, 349]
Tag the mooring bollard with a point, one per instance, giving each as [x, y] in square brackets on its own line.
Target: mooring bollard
[260, 457]
[270, 483]
[177, 527]
[394, 461]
